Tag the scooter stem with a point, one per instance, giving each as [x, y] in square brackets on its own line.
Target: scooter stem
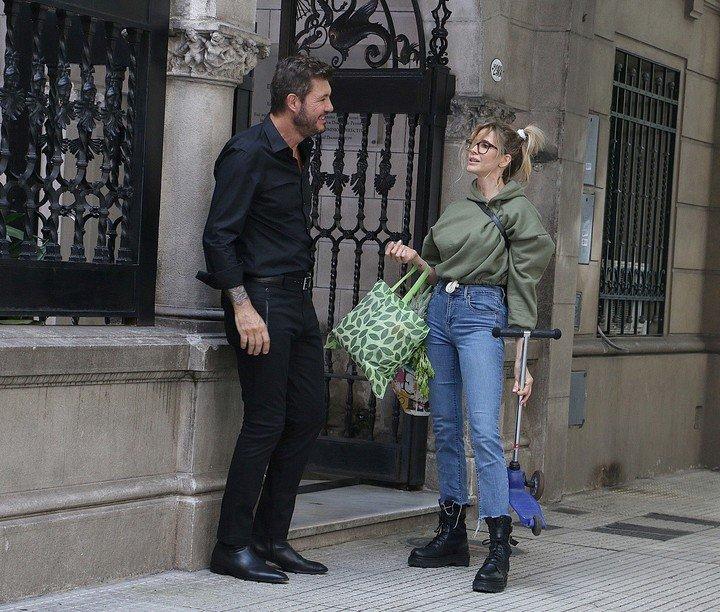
[523, 368]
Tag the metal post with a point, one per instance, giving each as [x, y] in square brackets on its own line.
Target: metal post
[523, 369]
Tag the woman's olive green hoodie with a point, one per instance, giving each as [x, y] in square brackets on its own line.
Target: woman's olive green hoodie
[466, 246]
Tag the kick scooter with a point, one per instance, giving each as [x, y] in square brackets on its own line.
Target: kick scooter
[524, 493]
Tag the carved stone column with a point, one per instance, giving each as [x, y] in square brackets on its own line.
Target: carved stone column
[208, 56]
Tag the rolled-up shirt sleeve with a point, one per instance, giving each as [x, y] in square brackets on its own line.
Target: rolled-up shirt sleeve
[236, 179]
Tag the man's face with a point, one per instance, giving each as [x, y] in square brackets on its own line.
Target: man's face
[310, 116]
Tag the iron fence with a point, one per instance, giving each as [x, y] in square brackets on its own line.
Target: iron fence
[79, 169]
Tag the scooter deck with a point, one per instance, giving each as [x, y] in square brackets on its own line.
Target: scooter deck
[524, 504]
[526, 507]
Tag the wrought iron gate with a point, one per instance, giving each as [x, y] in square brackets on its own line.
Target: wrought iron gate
[80, 172]
[376, 177]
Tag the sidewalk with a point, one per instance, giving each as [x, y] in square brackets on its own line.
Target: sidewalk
[650, 545]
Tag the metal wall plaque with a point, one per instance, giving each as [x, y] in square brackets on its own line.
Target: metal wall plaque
[496, 70]
[578, 399]
[591, 147]
[587, 212]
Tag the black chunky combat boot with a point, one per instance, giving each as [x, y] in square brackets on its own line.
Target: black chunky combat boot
[450, 545]
[492, 576]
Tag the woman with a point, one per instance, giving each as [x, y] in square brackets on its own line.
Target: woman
[482, 282]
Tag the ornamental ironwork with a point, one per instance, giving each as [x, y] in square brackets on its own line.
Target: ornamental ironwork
[641, 158]
[366, 236]
[75, 97]
[41, 192]
[343, 25]
[375, 177]
[437, 54]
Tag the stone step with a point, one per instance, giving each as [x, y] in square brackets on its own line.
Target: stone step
[352, 512]
[312, 485]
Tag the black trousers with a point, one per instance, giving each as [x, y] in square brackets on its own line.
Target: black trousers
[284, 410]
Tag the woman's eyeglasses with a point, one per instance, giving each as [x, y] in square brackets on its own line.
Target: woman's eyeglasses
[480, 148]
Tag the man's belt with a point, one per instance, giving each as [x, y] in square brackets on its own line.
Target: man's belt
[286, 281]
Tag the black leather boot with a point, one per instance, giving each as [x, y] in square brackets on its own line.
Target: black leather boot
[243, 563]
[285, 556]
[450, 545]
[492, 576]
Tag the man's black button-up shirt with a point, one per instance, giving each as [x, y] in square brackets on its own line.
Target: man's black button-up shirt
[260, 211]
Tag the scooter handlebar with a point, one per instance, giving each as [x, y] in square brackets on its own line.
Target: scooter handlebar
[516, 332]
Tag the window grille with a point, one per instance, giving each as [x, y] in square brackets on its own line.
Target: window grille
[643, 126]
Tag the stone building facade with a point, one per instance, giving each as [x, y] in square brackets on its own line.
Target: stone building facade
[116, 438]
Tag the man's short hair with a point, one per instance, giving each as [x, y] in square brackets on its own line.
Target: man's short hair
[294, 74]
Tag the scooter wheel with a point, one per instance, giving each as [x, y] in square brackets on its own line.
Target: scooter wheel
[537, 484]
[537, 525]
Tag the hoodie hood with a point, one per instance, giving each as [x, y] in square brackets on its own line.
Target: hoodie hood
[511, 191]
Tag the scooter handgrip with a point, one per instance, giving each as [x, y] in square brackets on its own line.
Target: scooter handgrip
[552, 334]
[516, 332]
[507, 332]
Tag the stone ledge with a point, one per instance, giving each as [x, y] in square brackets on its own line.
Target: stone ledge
[417, 522]
[105, 378]
[321, 519]
[665, 345]
[78, 355]
[61, 499]
[123, 352]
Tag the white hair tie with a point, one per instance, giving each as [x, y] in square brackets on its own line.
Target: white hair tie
[522, 134]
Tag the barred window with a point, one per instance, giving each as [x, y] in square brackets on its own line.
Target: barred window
[633, 268]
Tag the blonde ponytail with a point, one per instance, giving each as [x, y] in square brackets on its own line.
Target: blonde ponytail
[533, 142]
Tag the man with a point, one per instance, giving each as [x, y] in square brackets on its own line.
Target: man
[258, 251]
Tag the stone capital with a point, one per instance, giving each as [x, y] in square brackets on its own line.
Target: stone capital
[213, 51]
[469, 111]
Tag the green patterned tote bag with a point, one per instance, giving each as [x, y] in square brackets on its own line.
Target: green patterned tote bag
[411, 383]
[383, 331]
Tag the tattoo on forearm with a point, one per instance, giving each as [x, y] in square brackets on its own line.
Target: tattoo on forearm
[237, 295]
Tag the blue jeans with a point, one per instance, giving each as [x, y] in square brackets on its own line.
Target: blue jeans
[464, 353]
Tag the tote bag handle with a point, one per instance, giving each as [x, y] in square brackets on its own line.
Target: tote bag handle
[416, 287]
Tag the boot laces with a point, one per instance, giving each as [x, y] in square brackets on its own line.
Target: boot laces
[496, 555]
[439, 537]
